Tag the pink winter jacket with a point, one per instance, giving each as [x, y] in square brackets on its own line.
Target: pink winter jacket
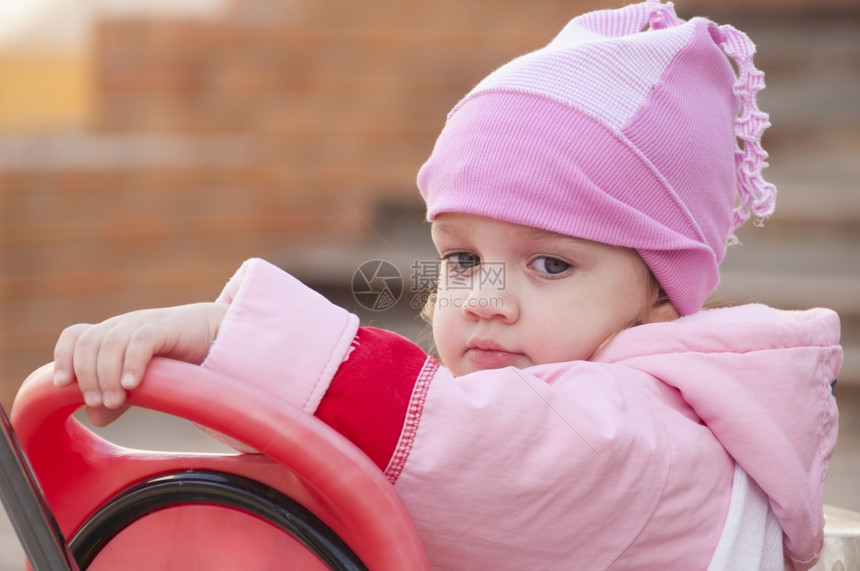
[623, 462]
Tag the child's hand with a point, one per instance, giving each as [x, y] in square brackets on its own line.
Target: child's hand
[110, 357]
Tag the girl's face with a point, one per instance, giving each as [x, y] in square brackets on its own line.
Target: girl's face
[512, 295]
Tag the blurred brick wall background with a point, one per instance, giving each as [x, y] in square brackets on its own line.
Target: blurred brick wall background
[143, 170]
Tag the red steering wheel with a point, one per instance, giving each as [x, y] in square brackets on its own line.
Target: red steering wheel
[309, 500]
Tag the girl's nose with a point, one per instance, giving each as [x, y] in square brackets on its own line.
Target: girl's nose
[491, 295]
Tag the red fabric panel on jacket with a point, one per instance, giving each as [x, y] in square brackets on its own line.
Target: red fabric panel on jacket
[368, 398]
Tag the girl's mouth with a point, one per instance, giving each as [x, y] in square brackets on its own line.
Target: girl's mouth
[490, 355]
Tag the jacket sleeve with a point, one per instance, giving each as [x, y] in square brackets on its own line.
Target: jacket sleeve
[288, 340]
[280, 335]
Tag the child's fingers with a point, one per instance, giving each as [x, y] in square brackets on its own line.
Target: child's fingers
[125, 351]
[64, 351]
[113, 338]
[85, 360]
[144, 342]
[111, 357]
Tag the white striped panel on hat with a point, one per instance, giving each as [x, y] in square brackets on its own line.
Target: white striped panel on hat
[605, 77]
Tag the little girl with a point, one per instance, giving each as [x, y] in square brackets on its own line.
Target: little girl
[587, 413]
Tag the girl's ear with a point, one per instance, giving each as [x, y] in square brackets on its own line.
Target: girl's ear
[662, 309]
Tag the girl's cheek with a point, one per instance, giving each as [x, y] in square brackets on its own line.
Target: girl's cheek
[444, 328]
[452, 297]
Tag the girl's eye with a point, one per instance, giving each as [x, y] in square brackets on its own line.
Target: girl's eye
[549, 265]
[462, 262]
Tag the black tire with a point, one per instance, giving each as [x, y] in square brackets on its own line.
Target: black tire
[208, 487]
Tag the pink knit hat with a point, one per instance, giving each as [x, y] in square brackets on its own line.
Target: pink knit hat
[637, 138]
